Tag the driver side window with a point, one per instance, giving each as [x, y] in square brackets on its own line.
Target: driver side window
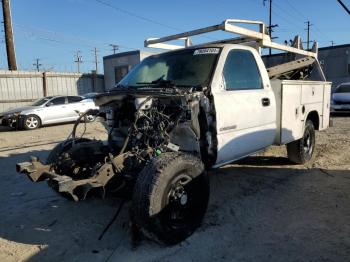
[241, 71]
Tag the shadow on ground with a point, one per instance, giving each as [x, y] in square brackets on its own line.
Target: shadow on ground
[255, 214]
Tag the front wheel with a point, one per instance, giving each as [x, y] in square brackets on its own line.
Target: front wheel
[90, 118]
[301, 151]
[170, 197]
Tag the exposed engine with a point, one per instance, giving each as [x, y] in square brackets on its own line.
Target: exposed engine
[139, 129]
[142, 125]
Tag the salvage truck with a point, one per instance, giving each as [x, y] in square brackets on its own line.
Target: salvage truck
[185, 111]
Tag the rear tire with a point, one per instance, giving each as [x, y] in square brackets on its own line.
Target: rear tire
[31, 122]
[301, 151]
[170, 197]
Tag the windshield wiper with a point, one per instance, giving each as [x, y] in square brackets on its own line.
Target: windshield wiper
[121, 86]
[158, 81]
[161, 82]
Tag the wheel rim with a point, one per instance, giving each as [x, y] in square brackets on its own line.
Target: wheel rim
[90, 118]
[32, 122]
[182, 203]
[308, 143]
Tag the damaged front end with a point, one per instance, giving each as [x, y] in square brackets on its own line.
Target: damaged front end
[141, 125]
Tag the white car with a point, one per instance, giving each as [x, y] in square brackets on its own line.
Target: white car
[48, 110]
[341, 99]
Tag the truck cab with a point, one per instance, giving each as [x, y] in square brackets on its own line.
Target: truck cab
[245, 105]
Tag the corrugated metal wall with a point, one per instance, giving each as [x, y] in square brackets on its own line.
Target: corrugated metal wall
[19, 88]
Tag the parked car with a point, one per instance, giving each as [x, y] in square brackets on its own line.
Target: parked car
[341, 99]
[48, 110]
[90, 95]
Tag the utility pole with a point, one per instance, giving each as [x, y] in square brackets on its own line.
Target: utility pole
[10, 46]
[271, 26]
[344, 6]
[96, 59]
[78, 60]
[308, 34]
[332, 42]
[37, 64]
[115, 48]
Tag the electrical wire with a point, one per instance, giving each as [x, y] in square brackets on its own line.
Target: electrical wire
[121, 10]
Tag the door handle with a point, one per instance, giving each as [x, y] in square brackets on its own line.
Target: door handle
[265, 101]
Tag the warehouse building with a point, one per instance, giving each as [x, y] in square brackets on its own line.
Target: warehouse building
[118, 65]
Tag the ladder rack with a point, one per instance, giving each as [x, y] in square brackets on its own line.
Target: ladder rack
[261, 38]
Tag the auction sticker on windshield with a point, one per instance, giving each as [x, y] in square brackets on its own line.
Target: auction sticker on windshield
[206, 51]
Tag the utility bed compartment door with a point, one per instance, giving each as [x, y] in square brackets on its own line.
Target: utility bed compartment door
[312, 93]
[291, 115]
[295, 100]
[326, 106]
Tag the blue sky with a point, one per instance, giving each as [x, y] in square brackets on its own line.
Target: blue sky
[53, 30]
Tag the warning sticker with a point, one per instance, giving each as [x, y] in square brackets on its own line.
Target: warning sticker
[206, 51]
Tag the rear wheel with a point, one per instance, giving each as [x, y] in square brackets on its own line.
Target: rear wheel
[170, 197]
[31, 122]
[301, 151]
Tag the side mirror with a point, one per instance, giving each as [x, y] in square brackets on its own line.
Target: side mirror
[49, 104]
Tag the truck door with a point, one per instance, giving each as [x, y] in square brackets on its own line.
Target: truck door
[245, 105]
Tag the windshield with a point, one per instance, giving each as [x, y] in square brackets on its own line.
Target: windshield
[343, 89]
[41, 101]
[190, 67]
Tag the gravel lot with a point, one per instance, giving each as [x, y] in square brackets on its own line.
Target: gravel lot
[261, 209]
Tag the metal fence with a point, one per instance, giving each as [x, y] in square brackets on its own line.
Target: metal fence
[19, 88]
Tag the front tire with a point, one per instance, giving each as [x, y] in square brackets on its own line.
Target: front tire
[170, 197]
[90, 118]
[301, 151]
[31, 122]
[62, 148]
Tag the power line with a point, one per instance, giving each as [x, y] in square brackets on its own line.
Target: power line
[137, 16]
[59, 37]
[344, 6]
[145, 18]
[296, 10]
[301, 15]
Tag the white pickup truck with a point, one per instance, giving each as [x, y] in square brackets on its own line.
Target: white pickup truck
[182, 112]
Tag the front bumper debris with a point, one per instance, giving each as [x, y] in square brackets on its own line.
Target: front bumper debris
[9, 121]
[76, 189]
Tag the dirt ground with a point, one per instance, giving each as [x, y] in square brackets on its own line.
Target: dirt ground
[261, 209]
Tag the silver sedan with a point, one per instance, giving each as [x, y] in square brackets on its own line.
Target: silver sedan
[341, 99]
[48, 110]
